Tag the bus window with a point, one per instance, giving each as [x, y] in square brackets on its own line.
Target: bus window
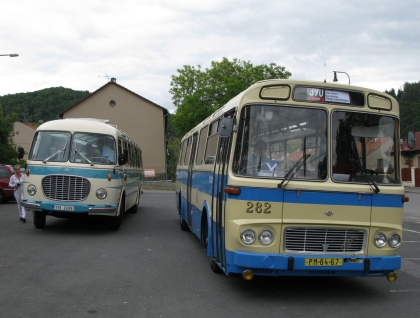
[212, 141]
[187, 152]
[273, 140]
[363, 147]
[202, 145]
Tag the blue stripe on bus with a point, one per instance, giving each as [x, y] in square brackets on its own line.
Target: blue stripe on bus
[278, 264]
[87, 172]
[203, 181]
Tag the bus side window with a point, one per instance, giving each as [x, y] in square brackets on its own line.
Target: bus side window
[212, 142]
[202, 146]
[187, 152]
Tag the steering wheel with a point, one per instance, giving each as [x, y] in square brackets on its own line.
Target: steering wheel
[372, 172]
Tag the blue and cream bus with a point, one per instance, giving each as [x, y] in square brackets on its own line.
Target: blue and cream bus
[296, 178]
[82, 167]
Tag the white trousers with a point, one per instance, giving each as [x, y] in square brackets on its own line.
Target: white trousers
[18, 197]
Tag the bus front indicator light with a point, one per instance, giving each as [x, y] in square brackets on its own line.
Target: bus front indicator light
[101, 194]
[392, 277]
[248, 236]
[266, 237]
[247, 274]
[380, 240]
[394, 240]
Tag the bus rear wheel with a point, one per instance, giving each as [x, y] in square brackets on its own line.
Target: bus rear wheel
[39, 219]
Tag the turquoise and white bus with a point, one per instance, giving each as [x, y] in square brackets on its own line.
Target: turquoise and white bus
[82, 167]
[296, 178]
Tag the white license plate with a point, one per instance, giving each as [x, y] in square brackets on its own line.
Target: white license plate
[63, 207]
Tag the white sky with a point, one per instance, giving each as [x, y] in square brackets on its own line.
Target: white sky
[74, 44]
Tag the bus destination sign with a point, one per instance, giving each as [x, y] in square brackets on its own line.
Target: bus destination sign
[322, 95]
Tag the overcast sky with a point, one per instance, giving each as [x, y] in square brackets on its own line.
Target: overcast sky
[76, 44]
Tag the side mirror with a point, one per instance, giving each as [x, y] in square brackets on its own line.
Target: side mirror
[21, 152]
[225, 127]
[411, 141]
[121, 159]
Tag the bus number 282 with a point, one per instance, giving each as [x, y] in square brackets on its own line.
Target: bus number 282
[258, 207]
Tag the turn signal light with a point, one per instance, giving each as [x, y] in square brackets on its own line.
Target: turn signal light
[232, 190]
[392, 277]
[109, 177]
[247, 274]
[405, 199]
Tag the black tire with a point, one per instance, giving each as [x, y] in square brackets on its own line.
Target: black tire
[184, 225]
[204, 234]
[114, 222]
[39, 219]
[2, 198]
[133, 209]
[214, 267]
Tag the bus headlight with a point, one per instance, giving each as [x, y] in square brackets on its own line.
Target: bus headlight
[266, 237]
[31, 190]
[248, 236]
[394, 240]
[380, 239]
[101, 194]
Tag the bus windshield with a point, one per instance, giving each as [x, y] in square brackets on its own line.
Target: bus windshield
[363, 148]
[55, 146]
[281, 141]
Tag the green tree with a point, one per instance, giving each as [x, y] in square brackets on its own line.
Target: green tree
[198, 93]
[409, 99]
[8, 150]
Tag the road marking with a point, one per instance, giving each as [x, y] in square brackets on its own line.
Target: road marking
[404, 290]
[411, 231]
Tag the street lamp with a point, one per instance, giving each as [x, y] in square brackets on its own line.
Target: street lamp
[11, 55]
[335, 76]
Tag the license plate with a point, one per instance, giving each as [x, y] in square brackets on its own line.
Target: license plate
[323, 262]
[63, 207]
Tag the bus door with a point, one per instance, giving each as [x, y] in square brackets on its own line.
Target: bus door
[190, 178]
[219, 199]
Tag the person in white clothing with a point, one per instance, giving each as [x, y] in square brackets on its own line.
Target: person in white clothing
[107, 155]
[16, 182]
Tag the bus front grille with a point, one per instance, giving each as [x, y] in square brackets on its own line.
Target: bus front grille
[324, 240]
[65, 188]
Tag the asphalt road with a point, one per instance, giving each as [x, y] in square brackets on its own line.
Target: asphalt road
[150, 268]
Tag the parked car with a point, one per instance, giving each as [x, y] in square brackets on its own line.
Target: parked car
[6, 192]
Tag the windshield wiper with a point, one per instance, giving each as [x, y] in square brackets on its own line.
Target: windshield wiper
[291, 173]
[368, 179]
[56, 153]
[82, 155]
[370, 182]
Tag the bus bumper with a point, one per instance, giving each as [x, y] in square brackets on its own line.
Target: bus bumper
[294, 265]
[68, 207]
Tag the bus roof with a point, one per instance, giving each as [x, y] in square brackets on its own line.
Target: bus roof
[253, 94]
[88, 125]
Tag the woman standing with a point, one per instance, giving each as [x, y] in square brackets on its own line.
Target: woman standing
[16, 182]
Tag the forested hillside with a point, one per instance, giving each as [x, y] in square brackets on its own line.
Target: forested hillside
[42, 105]
[409, 99]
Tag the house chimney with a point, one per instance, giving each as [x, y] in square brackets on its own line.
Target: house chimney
[113, 79]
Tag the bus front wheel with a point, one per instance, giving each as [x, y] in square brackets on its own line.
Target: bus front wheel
[114, 222]
[184, 225]
[39, 219]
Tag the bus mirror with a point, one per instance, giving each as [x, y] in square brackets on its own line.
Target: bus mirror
[121, 159]
[225, 127]
[411, 141]
[21, 152]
